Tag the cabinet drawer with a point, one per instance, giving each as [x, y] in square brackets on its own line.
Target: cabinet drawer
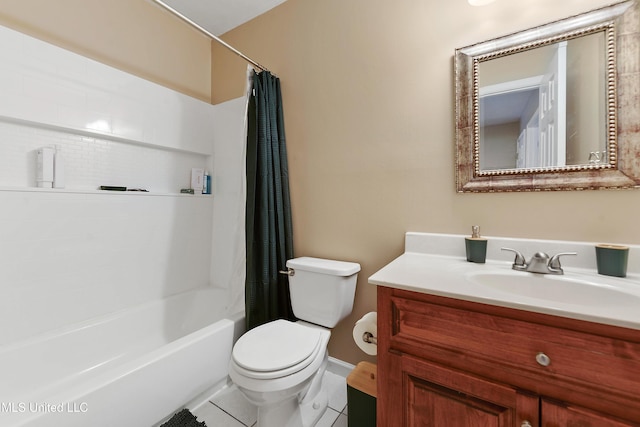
[556, 361]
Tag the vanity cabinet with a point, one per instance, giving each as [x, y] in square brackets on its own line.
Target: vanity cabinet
[445, 362]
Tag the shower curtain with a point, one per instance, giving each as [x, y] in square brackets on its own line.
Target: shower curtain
[269, 235]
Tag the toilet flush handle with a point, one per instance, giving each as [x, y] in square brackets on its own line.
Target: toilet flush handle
[288, 272]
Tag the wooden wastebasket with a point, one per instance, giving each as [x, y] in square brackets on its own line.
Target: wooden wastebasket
[361, 395]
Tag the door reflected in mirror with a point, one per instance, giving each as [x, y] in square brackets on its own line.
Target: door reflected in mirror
[544, 107]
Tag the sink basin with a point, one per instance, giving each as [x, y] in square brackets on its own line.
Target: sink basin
[555, 288]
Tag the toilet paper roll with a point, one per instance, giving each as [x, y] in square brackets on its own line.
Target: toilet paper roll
[368, 323]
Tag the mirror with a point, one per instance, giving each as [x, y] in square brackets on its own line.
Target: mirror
[545, 107]
[551, 108]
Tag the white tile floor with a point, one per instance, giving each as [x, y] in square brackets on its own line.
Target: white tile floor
[228, 408]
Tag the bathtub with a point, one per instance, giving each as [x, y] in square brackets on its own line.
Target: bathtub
[130, 368]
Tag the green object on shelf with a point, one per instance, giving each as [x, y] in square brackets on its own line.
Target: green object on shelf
[362, 395]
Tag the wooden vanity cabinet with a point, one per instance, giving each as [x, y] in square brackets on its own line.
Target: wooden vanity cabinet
[445, 362]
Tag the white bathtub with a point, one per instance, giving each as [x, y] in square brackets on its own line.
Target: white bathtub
[131, 368]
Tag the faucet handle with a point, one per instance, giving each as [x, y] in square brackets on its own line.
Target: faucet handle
[518, 263]
[554, 262]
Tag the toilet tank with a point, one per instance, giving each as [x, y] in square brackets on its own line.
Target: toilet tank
[322, 290]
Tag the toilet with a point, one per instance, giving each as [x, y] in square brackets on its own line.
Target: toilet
[279, 366]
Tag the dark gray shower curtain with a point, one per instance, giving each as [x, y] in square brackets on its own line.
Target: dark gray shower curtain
[269, 228]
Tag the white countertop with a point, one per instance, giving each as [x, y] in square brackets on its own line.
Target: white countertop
[452, 276]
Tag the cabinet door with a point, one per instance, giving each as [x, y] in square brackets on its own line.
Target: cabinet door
[561, 415]
[436, 396]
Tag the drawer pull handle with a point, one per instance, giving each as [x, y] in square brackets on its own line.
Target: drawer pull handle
[525, 424]
[543, 359]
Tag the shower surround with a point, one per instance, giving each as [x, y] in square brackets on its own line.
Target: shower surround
[101, 291]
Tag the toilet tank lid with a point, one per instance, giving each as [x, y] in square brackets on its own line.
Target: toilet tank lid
[324, 266]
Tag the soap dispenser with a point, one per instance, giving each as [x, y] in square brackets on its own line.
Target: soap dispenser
[476, 246]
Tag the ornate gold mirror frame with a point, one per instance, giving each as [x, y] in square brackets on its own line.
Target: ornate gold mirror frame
[621, 25]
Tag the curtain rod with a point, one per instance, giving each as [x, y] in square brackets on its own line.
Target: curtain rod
[208, 34]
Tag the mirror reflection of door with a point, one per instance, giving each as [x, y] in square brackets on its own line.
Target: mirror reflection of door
[509, 124]
[542, 108]
[553, 110]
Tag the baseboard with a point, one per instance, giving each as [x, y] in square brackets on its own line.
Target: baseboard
[339, 367]
[204, 397]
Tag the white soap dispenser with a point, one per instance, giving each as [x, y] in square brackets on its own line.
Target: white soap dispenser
[44, 167]
[58, 169]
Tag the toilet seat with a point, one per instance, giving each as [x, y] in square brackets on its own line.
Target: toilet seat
[276, 349]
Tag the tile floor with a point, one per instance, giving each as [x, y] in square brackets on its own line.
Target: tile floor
[228, 408]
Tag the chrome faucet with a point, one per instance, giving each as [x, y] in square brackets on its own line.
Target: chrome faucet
[540, 262]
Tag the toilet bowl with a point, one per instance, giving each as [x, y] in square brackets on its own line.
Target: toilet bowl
[279, 366]
[275, 366]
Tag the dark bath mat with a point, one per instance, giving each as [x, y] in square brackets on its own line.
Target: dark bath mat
[184, 418]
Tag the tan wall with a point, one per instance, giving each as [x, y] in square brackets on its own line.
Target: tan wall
[368, 100]
[134, 36]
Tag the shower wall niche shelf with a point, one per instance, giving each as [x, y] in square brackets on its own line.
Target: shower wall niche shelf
[101, 192]
[112, 127]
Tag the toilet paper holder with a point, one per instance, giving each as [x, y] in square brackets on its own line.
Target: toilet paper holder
[365, 333]
[368, 337]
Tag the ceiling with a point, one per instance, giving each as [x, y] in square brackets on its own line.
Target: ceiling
[220, 16]
[506, 107]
